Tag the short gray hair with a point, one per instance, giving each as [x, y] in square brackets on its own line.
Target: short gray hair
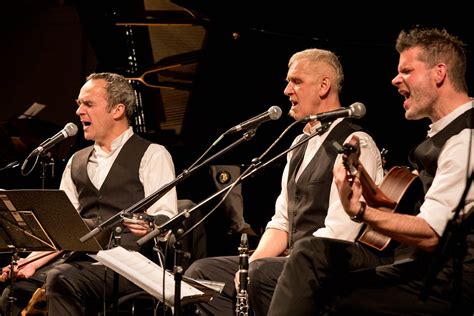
[119, 91]
[315, 55]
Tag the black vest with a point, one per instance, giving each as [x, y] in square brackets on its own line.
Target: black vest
[425, 159]
[121, 188]
[308, 198]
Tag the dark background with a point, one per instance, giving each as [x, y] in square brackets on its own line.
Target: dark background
[49, 47]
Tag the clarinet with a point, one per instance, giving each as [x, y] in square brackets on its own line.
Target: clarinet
[242, 306]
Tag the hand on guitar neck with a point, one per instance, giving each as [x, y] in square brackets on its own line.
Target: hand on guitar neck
[372, 194]
[399, 187]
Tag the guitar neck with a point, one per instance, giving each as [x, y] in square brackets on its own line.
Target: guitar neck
[372, 194]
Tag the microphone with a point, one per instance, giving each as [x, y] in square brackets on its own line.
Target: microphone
[273, 113]
[69, 130]
[355, 110]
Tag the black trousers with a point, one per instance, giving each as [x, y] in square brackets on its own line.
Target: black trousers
[82, 288]
[329, 277]
[263, 276]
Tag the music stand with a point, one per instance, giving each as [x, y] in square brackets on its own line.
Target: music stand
[152, 278]
[40, 220]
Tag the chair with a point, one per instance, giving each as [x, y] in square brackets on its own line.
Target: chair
[137, 303]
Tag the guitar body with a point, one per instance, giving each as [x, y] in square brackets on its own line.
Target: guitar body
[37, 304]
[404, 188]
[400, 191]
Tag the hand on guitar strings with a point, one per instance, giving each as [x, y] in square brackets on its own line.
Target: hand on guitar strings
[349, 188]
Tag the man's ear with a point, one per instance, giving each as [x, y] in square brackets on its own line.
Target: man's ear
[325, 86]
[118, 111]
[440, 73]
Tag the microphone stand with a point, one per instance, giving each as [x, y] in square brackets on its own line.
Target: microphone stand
[178, 276]
[116, 241]
[173, 223]
[152, 198]
[46, 161]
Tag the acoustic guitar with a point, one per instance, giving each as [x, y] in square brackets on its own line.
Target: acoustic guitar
[37, 304]
[399, 191]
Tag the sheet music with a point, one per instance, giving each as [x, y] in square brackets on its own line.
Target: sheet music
[145, 273]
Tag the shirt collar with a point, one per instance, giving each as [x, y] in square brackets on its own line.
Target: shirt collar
[444, 121]
[116, 143]
[308, 129]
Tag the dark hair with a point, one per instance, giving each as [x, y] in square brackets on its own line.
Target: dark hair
[438, 46]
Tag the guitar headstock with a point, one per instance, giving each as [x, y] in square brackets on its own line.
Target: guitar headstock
[350, 155]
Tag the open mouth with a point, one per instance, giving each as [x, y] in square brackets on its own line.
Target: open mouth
[85, 125]
[404, 93]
